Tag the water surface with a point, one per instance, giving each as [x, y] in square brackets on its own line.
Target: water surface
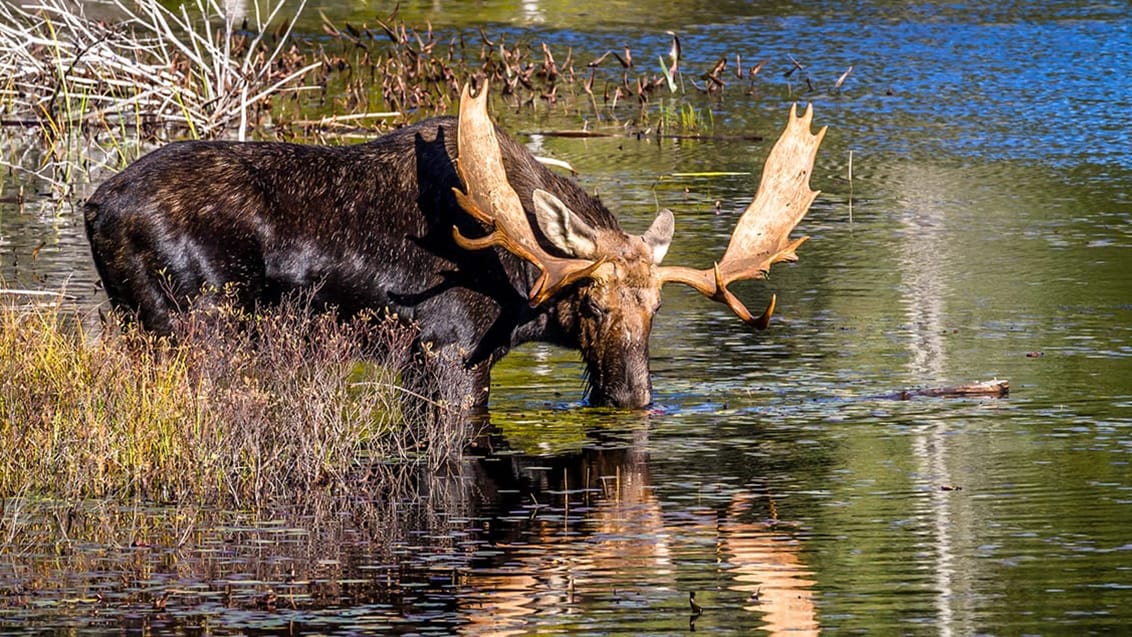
[985, 234]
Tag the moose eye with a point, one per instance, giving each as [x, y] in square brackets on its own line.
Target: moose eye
[592, 308]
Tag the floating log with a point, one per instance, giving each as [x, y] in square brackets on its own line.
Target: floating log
[992, 388]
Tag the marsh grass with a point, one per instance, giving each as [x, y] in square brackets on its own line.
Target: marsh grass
[239, 409]
[99, 92]
[208, 71]
[150, 66]
[683, 119]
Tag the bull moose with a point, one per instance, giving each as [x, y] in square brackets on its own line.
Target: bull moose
[448, 223]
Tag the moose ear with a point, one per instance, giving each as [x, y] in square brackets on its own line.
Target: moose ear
[659, 235]
[563, 228]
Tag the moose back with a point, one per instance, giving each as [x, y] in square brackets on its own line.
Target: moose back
[447, 223]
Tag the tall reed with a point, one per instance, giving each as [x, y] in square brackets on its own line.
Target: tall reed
[150, 66]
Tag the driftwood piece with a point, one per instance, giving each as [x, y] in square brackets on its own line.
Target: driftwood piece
[992, 388]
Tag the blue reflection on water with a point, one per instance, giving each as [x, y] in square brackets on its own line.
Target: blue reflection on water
[1021, 82]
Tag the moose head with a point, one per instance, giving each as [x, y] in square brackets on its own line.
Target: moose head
[615, 278]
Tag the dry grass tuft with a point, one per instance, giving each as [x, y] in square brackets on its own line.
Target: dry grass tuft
[238, 410]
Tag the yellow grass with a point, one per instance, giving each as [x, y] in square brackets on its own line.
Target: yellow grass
[237, 409]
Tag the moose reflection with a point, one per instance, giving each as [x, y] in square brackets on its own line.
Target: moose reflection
[403, 223]
[600, 539]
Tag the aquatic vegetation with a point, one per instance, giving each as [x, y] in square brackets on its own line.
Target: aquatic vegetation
[683, 119]
[205, 72]
[99, 91]
[238, 409]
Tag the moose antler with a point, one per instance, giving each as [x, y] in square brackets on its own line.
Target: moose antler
[762, 235]
[492, 200]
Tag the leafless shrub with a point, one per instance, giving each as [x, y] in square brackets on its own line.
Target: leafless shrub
[238, 409]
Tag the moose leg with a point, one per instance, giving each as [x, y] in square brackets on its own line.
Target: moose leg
[481, 385]
[136, 289]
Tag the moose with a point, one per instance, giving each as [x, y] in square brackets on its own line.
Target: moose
[448, 223]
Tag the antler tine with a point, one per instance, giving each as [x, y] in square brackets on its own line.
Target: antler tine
[492, 200]
[762, 235]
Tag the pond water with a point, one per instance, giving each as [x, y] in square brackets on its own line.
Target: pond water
[986, 232]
